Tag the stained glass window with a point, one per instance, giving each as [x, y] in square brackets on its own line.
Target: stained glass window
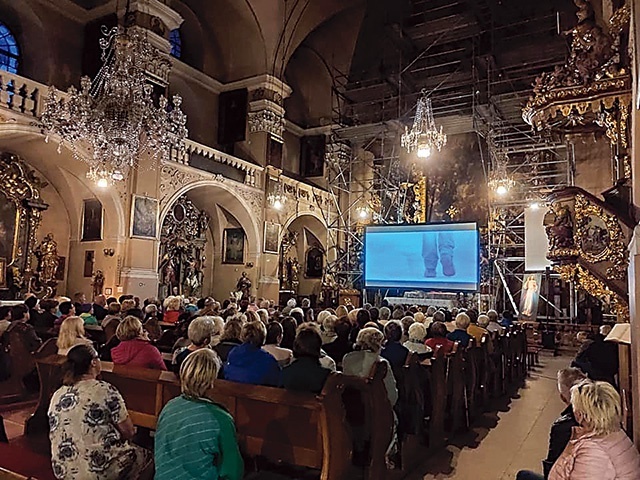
[9, 52]
[176, 43]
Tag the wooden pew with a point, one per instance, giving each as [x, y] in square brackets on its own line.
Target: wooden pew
[13, 389]
[283, 427]
[437, 374]
[458, 418]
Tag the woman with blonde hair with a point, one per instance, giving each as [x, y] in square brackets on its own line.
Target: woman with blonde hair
[196, 438]
[598, 448]
[71, 334]
[135, 349]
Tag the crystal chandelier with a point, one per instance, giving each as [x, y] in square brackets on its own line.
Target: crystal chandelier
[499, 180]
[276, 197]
[423, 137]
[114, 116]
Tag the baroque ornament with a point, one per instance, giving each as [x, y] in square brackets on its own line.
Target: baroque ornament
[266, 120]
[115, 116]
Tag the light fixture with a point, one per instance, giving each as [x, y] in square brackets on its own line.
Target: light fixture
[102, 182]
[362, 213]
[424, 137]
[117, 117]
[500, 181]
[534, 206]
[276, 197]
[502, 190]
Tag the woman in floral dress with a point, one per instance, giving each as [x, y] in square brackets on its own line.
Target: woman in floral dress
[90, 428]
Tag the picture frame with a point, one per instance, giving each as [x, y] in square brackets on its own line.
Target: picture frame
[233, 244]
[144, 217]
[62, 265]
[3, 273]
[92, 220]
[108, 291]
[271, 237]
[89, 260]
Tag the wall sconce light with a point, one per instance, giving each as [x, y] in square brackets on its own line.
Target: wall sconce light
[249, 264]
[109, 252]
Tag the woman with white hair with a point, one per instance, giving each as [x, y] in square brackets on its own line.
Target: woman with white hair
[599, 448]
[196, 438]
[199, 332]
[460, 334]
[367, 352]
[417, 336]
[327, 323]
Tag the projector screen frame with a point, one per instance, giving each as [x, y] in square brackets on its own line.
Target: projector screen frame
[426, 288]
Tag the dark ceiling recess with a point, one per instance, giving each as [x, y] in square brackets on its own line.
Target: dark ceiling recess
[463, 52]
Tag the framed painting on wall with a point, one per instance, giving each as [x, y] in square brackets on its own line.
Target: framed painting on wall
[233, 243]
[144, 217]
[271, 237]
[62, 264]
[92, 220]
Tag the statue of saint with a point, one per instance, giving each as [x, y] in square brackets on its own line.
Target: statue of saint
[295, 279]
[48, 260]
[192, 284]
[98, 283]
[244, 285]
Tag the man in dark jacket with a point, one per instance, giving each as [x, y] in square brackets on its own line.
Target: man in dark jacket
[561, 428]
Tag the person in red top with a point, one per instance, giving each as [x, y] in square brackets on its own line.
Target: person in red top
[135, 349]
[172, 309]
[439, 339]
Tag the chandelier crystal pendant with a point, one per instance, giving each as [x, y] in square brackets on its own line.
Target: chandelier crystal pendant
[276, 198]
[114, 117]
[423, 138]
[500, 182]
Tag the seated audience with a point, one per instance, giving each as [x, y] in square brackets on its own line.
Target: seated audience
[113, 312]
[5, 319]
[493, 325]
[562, 428]
[439, 339]
[597, 358]
[71, 334]
[218, 329]
[289, 327]
[394, 352]
[291, 304]
[89, 426]
[385, 315]
[199, 332]
[341, 345]
[196, 437]
[100, 307]
[417, 336]
[66, 309]
[406, 322]
[449, 321]
[46, 319]
[171, 309]
[477, 329]
[248, 363]
[306, 373]
[367, 352]
[272, 345]
[460, 334]
[229, 339]
[298, 315]
[32, 304]
[19, 319]
[151, 325]
[507, 319]
[328, 324]
[135, 349]
[599, 448]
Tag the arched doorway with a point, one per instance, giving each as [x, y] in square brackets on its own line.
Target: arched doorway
[303, 256]
[225, 240]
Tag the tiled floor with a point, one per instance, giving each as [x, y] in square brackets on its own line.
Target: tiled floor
[511, 439]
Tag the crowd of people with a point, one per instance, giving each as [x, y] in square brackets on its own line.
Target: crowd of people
[255, 342]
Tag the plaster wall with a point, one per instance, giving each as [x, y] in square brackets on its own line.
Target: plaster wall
[593, 163]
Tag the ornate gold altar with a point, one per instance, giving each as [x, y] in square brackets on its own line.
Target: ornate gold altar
[20, 217]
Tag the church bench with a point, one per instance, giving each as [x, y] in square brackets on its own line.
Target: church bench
[17, 462]
[283, 427]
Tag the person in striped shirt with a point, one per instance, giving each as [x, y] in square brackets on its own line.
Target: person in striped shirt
[196, 437]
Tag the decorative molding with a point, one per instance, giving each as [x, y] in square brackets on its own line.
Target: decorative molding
[169, 17]
[266, 120]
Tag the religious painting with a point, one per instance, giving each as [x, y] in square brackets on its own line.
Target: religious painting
[594, 240]
[314, 263]
[89, 259]
[233, 243]
[62, 263]
[274, 151]
[3, 273]
[8, 228]
[271, 237]
[529, 296]
[312, 151]
[144, 217]
[92, 220]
